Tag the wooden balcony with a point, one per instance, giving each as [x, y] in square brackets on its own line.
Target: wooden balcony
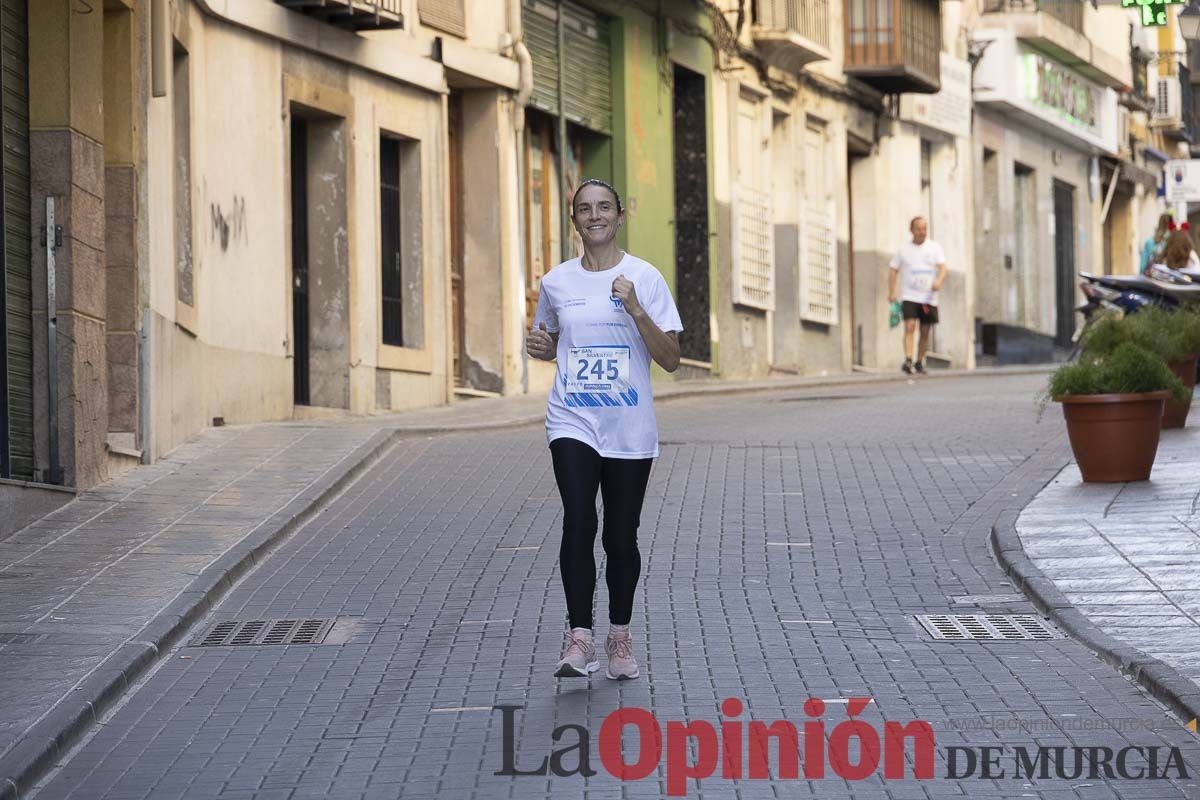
[792, 33]
[354, 15]
[895, 45]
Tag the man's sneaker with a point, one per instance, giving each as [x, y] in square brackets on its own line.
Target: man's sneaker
[579, 656]
[907, 366]
[621, 666]
[919, 367]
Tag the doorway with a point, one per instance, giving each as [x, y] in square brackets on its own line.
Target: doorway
[299, 189]
[321, 257]
[691, 214]
[458, 292]
[1025, 226]
[1064, 262]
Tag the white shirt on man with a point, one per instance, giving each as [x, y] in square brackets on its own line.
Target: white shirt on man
[601, 393]
[918, 266]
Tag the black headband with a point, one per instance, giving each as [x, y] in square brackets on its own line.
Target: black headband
[597, 182]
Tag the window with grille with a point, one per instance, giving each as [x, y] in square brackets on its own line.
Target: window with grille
[753, 249]
[445, 15]
[818, 263]
[818, 242]
[400, 242]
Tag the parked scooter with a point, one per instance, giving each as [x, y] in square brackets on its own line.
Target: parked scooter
[1127, 294]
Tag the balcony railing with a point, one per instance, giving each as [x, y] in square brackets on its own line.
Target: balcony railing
[1068, 12]
[809, 18]
[356, 15]
[791, 33]
[895, 45]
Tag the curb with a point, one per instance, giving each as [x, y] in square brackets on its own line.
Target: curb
[1162, 681]
[667, 392]
[55, 733]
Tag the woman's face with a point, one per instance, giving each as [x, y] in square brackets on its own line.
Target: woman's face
[596, 215]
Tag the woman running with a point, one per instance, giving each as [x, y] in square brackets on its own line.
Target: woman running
[603, 315]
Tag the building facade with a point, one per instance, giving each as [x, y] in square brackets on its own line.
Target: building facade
[1068, 147]
[225, 212]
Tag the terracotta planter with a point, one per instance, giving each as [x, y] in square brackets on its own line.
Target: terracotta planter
[1175, 414]
[1114, 436]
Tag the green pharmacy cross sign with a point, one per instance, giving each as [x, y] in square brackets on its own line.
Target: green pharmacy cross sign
[1153, 12]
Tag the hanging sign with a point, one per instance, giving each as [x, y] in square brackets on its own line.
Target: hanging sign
[1183, 180]
[1151, 12]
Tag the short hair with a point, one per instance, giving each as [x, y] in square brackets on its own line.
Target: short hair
[596, 182]
[913, 221]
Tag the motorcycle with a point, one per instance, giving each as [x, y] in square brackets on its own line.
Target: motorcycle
[1127, 294]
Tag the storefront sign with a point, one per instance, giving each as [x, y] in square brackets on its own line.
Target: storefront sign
[1073, 99]
[1183, 180]
[949, 110]
[1031, 89]
[1151, 12]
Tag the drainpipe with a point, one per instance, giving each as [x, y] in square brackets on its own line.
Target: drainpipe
[524, 90]
[564, 184]
[53, 241]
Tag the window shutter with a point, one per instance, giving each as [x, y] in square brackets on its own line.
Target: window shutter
[587, 82]
[540, 21]
[445, 15]
[818, 263]
[753, 249]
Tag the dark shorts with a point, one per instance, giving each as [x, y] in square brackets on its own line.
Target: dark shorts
[927, 314]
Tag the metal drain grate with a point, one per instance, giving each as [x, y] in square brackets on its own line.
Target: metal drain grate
[987, 627]
[246, 633]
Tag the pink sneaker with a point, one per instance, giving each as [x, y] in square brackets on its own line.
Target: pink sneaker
[619, 644]
[579, 657]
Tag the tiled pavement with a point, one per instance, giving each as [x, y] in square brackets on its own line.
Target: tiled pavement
[788, 539]
[1128, 555]
[82, 583]
[91, 593]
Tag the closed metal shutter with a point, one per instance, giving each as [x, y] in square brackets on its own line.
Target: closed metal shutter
[16, 332]
[445, 15]
[587, 78]
[540, 23]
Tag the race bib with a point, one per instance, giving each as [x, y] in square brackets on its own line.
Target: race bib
[603, 368]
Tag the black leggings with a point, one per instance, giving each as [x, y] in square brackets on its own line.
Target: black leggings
[580, 471]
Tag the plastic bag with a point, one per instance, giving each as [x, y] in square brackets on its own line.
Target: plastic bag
[894, 315]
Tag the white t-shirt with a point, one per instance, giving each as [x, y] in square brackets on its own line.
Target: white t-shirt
[918, 266]
[601, 393]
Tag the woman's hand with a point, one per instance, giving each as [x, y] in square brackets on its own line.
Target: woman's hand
[623, 290]
[540, 344]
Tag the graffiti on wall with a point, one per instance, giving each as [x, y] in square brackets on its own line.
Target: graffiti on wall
[228, 226]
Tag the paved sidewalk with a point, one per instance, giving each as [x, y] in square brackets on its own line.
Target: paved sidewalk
[93, 593]
[788, 539]
[1127, 557]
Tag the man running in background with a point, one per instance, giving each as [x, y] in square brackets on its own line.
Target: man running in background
[920, 266]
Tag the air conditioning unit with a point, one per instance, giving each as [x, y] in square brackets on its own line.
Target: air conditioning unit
[1167, 100]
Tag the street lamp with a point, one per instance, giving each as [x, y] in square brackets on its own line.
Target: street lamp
[1189, 23]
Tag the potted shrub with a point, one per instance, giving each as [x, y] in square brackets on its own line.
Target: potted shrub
[1174, 336]
[1113, 405]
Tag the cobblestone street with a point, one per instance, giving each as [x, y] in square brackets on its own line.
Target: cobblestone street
[788, 540]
